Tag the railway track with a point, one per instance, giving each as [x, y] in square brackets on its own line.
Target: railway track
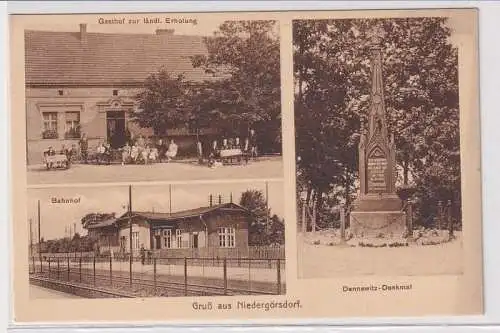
[150, 287]
[77, 288]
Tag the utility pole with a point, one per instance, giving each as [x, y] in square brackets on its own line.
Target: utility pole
[39, 236]
[267, 206]
[130, 228]
[170, 198]
[31, 238]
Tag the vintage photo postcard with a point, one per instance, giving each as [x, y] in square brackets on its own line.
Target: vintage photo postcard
[152, 98]
[163, 241]
[199, 167]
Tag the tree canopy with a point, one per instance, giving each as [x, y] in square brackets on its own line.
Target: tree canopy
[243, 58]
[332, 79]
[93, 218]
[264, 229]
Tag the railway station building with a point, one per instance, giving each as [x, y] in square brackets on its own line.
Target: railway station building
[205, 230]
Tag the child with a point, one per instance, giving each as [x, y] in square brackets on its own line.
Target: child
[145, 154]
[153, 154]
[126, 153]
[134, 153]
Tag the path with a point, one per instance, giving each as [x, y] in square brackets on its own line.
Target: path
[322, 261]
[264, 167]
[39, 292]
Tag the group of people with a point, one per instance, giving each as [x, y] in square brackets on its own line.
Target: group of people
[142, 152]
[136, 151]
[70, 154]
[246, 149]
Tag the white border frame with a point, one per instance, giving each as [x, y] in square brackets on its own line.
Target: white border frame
[489, 55]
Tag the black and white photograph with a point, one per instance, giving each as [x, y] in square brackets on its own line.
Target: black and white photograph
[133, 101]
[378, 147]
[173, 240]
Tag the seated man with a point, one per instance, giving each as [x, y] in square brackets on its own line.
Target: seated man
[225, 144]
[49, 152]
[101, 150]
[172, 151]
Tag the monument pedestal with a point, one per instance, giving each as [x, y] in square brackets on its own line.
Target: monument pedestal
[386, 224]
[378, 215]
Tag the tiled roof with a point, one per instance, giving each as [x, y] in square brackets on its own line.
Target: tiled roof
[185, 213]
[63, 58]
[102, 224]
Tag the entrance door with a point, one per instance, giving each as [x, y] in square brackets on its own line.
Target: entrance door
[195, 241]
[117, 133]
[158, 242]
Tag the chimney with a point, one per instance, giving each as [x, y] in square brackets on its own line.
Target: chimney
[165, 32]
[231, 197]
[83, 32]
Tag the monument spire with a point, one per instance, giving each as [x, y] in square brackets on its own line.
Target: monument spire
[377, 122]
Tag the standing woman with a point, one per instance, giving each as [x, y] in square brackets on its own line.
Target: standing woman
[84, 148]
[253, 143]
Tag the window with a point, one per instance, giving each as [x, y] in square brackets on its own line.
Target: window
[60, 92]
[226, 237]
[135, 240]
[115, 92]
[178, 237]
[49, 125]
[167, 239]
[72, 130]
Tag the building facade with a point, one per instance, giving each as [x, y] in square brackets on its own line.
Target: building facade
[223, 226]
[82, 82]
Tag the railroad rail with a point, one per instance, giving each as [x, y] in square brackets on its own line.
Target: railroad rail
[159, 286]
[77, 288]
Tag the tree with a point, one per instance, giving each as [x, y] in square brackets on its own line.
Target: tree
[163, 103]
[244, 57]
[93, 218]
[332, 75]
[263, 229]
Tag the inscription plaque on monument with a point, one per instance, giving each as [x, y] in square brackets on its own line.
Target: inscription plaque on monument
[376, 174]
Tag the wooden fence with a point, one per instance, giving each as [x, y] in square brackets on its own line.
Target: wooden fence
[252, 252]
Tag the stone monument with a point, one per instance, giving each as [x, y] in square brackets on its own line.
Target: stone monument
[377, 210]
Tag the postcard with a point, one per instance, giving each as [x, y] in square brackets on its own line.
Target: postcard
[199, 167]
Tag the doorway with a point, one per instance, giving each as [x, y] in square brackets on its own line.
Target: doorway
[195, 241]
[116, 128]
[158, 242]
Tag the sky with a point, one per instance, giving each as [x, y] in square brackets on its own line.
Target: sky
[56, 219]
[204, 26]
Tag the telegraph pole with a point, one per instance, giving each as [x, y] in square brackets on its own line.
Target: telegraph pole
[267, 205]
[130, 229]
[39, 236]
[31, 238]
[170, 198]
